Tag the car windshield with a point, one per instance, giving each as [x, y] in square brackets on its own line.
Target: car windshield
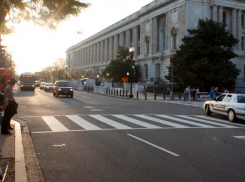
[49, 84]
[63, 84]
[241, 99]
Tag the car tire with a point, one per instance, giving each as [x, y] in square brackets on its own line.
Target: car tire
[71, 95]
[57, 94]
[53, 94]
[231, 116]
[207, 109]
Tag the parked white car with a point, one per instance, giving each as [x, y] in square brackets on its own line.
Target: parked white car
[232, 105]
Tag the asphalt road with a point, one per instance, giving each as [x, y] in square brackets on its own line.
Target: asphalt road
[100, 138]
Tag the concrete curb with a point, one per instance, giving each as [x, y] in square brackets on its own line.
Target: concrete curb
[20, 167]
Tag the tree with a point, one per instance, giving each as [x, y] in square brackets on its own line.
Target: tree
[204, 57]
[47, 13]
[119, 67]
[6, 60]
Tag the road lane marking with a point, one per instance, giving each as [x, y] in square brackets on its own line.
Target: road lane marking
[135, 121]
[215, 119]
[54, 124]
[174, 154]
[110, 122]
[185, 121]
[88, 107]
[162, 121]
[83, 123]
[205, 121]
[96, 110]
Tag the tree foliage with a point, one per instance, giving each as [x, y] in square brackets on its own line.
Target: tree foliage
[119, 67]
[47, 13]
[204, 57]
[6, 60]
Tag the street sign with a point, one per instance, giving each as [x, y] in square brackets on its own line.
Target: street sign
[124, 79]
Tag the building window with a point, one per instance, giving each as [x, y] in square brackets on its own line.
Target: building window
[242, 42]
[147, 47]
[175, 41]
[146, 71]
[224, 17]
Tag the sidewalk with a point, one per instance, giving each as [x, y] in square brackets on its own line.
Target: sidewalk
[12, 161]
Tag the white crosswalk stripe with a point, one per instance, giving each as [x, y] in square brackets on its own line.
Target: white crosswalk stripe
[54, 124]
[119, 121]
[83, 123]
[110, 122]
[162, 121]
[209, 122]
[135, 121]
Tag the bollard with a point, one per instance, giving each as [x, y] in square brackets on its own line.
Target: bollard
[155, 96]
[120, 92]
[117, 92]
[179, 95]
[126, 93]
[137, 94]
[109, 91]
[145, 95]
[114, 92]
[164, 95]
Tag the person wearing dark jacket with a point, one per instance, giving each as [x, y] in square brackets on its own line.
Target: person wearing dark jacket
[11, 109]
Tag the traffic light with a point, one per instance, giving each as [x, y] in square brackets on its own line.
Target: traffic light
[133, 63]
[170, 73]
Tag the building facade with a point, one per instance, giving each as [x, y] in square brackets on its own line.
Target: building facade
[155, 31]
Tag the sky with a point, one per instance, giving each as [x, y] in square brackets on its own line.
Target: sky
[33, 47]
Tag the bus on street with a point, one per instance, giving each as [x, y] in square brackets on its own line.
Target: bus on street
[27, 81]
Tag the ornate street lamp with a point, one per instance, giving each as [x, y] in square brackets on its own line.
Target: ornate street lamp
[131, 54]
[107, 77]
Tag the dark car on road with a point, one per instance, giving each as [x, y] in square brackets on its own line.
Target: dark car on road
[62, 88]
[37, 83]
[42, 85]
[48, 86]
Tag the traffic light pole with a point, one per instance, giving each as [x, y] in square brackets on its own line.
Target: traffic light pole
[131, 94]
[172, 88]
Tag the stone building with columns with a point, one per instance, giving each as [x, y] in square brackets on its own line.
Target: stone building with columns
[155, 31]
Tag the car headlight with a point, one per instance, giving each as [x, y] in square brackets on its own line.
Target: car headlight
[33, 85]
[59, 89]
[71, 89]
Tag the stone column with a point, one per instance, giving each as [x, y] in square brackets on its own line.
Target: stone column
[101, 51]
[155, 34]
[183, 22]
[142, 38]
[151, 35]
[233, 21]
[110, 49]
[168, 33]
[136, 40]
[80, 58]
[215, 13]
[179, 26]
[106, 51]
[91, 55]
[87, 58]
[239, 28]
[94, 53]
[127, 39]
[220, 14]
[115, 46]
[98, 53]
[121, 42]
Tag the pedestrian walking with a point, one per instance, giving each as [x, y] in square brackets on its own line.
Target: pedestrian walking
[187, 92]
[212, 94]
[197, 91]
[11, 108]
[143, 89]
[168, 90]
[216, 91]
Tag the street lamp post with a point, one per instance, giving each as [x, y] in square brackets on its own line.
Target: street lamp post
[66, 71]
[107, 77]
[131, 52]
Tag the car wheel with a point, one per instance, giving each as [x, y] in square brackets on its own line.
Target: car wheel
[57, 94]
[71, 95]
[67, 95]
[231, 116]
[53, 94]
[207, 109]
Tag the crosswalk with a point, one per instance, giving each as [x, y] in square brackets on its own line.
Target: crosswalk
[95, 122]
